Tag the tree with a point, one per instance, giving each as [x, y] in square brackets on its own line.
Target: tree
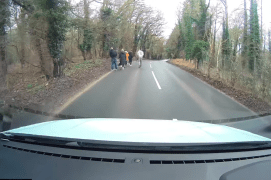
[226, 47]
[4, 20]
[202, 22]
[194, 22]
[254, 38]
[47, 26]
[57, 20]
[189, 38]
[215, 16]
[86, 46]
[171, 46]
[245, 35]
[199, 49]
[21, 31]
[181, 39]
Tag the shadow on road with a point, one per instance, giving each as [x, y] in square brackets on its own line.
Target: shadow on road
[267, 129]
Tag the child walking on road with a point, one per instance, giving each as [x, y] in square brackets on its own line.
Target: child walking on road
[127, 57]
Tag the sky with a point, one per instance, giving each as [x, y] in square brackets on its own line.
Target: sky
[169, 10]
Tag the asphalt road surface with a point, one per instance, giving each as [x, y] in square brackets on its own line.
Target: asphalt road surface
[157, 90]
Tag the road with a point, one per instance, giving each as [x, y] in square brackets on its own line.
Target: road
[134, 93]
[157, 90]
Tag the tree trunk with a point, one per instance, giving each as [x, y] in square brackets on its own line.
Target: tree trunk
[21, 31]
[213, 49]
[261, 20]
[43, 63]
[3, 42]
[58, 67]
[245, 38]
[235, 49]
[197, 64]
[3, 68]
[84, 55]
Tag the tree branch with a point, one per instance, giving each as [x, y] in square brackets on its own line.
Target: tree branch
[96, 1]
[21, 5]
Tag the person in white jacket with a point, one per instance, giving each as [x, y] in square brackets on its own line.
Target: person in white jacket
[140, 55]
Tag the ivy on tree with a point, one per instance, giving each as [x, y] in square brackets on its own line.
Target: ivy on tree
[55, 12]
[199, 49]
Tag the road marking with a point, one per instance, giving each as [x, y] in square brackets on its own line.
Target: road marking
[150, 65]
[159, 87]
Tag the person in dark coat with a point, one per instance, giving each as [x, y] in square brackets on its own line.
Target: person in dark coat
[130, 58]
[113, 55]
[122, 58]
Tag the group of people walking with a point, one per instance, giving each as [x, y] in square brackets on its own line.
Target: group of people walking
[125, 58]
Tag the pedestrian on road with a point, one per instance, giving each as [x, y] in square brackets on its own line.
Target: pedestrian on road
[140, 55]
[122, 58]
[130, 58]
[127, 57]
[113, 55]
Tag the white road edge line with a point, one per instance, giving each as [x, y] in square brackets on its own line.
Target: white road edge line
[159, 87]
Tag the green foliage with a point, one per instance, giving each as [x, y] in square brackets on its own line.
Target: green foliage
[111, 24]
[106, 13]
[36, 89]
[189, 37]
[55, 12]
[57, 26]
[29, 86]
[4, 16]
[201, 22]
[87, 41]
[254, 38]
[181, 39]
[172, 47]
[47, 4]
[199, 50]
[4, 21]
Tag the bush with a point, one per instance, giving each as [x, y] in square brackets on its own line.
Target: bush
[199, 49]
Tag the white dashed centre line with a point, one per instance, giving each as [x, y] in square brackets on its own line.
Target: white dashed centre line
[158, 85]
[150, 65]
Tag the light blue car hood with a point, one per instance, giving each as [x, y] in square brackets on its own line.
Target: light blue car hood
[137, 130]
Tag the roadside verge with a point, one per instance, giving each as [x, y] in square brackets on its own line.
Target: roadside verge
[49, 95]
[248, 100]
